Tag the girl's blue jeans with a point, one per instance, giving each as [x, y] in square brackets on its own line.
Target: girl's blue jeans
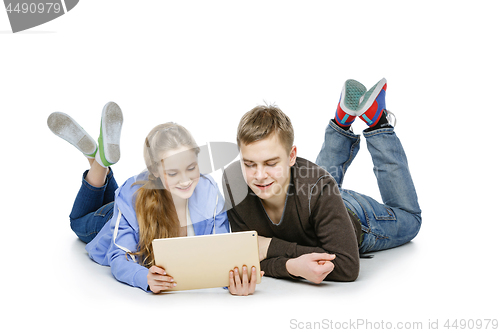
[93, 207]
[397, 220]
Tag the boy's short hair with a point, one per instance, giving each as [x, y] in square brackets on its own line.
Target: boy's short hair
[262, 121]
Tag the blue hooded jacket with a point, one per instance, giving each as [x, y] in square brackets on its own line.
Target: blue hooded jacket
[121, 233]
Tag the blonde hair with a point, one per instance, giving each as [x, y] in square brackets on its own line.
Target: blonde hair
[262, 121]
[154, 206]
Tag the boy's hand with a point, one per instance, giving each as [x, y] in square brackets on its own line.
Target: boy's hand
[158, 280]
[245, 287]
[312, 266]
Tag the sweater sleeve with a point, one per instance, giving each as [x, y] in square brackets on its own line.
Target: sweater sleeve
[274, 265]
[124, 268]
[334, 231]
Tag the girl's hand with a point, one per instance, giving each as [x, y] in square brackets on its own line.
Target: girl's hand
[245, 287]
[158, 280]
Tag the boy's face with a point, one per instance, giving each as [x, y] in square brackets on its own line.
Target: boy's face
[266, 166]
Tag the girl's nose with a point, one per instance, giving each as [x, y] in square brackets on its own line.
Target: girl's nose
[185, 180]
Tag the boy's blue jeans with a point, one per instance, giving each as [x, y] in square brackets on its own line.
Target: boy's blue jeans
[93, 207]
[398, 219]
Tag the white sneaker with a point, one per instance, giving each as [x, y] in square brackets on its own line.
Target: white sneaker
[109, 138]
[68, 129]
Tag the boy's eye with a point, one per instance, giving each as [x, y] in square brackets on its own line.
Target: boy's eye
[249, 165]
[272, 164]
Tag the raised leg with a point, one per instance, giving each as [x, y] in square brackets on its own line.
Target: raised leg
[397, 220]
[338, 151]
[391, 169]
[97, 173]
[93, 207]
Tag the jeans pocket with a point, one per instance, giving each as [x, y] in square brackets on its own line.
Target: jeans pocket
[375, 209]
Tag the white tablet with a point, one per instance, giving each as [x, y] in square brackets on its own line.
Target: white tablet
[205, 261]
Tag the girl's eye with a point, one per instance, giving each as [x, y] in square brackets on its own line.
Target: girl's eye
[172, 174]
[191, 169]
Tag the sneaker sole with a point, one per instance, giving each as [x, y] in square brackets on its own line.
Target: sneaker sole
[68, 129]
[111, 125]
[351, 93]
[372, 95]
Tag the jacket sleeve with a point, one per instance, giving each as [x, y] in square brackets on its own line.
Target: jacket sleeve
[221, 223]
[334, 231]
[125, 268]
[221, 220]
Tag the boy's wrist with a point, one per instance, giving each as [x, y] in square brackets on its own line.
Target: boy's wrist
[264, 243]
[291, 267]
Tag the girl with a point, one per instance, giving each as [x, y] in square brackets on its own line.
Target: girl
[169, 199]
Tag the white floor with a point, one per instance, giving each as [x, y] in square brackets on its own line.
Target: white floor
[203, 64]
[432, 278]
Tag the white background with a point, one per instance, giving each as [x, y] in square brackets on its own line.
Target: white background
[203, 64]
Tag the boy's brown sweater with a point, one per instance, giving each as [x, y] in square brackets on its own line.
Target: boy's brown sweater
[314, 219]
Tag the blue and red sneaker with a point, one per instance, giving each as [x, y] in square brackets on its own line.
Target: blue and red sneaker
[346, 113]
[372, 103]
[355, 101]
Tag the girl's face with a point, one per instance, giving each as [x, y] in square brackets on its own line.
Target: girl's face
[179, 172]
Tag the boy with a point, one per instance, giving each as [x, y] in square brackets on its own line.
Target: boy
[308, 226]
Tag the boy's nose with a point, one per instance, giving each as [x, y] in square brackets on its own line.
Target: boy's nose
[260, 173]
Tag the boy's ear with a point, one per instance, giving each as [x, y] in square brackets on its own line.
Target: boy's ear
[293, 155]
